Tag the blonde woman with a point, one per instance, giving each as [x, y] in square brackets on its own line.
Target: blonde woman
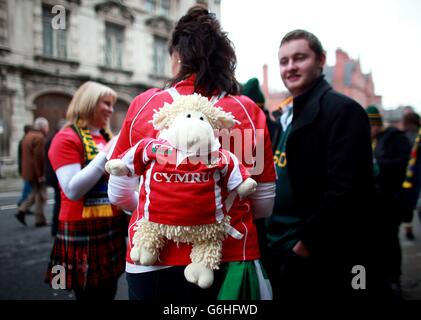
[90, 242]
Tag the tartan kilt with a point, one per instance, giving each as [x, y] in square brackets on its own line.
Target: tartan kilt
[92, 252]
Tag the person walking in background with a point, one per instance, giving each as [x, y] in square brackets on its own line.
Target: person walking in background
[90, 240]
[51, 180]
[33, 171]
[391, 150]
[202, 61]
[411, 124]
[317, 232]
[26, 184]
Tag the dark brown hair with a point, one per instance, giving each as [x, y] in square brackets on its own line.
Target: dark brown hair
[205, 51]
[313, 42]
[411, 118]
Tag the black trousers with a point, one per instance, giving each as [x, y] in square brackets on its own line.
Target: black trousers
[170, 284]
[391, 250]
[296, 278]
[292, 277]
[106, 292]
[56, 211]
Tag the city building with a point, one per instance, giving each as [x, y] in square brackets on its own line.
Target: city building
[48, 48]
[347, 78]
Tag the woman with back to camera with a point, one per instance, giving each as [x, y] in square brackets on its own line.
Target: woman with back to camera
[202, 61]
[90, 242]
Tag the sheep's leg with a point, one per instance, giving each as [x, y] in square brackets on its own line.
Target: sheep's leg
[205, 257]
[147, 244]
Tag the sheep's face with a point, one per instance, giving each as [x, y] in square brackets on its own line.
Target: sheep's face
[192, 106]
[188, 123]
[193, 115]
[191, 132]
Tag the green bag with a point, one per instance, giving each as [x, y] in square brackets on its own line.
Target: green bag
[245, 280]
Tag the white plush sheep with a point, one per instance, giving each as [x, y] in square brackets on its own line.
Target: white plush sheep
[188, 125]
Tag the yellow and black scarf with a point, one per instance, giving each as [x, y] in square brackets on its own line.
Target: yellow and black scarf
[95, 203]
[410, 169]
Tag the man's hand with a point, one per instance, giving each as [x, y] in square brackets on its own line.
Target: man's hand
[301, 250]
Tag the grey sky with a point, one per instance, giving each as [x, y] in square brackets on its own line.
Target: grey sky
[384, 34]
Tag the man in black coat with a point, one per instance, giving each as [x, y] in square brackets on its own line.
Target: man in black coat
[318, 233]
[391, 153]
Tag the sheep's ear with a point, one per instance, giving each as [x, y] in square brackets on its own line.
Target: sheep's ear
[159, 121]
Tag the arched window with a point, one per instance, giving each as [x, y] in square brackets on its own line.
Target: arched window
[53, 107]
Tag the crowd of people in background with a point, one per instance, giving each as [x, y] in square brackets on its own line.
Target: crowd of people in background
[336, 185]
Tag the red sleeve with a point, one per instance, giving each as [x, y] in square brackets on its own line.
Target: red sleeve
[235, 172]
[123, 141]
[65, 149]
[137, 157]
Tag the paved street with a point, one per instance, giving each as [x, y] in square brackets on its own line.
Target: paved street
[24, 254]
[411, 263]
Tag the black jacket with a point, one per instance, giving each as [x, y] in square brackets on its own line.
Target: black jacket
[392, 154]
[331, 172]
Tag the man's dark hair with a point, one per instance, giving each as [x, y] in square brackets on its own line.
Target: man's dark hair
[27, 128]
[313, 42]
[205, 51]
[412, 118]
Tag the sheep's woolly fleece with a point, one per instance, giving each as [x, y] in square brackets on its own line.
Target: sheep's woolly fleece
[206, 239]
[163, 117]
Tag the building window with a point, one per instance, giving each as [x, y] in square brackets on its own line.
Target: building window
[160, 7]
[4, 37]
[54, 40]
[114, 45]
[160, 57]
[164, 7]
[150, 6]
[5, 125]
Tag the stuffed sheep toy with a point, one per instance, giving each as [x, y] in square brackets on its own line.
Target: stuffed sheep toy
[187, 177]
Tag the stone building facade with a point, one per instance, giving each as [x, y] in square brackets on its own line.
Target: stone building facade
[48, 48]
[347, 78]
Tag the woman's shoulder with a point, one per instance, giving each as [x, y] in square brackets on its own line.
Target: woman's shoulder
[242, 102]
[66, 133]
[147, 95]
[64, 137]
[243, 107]
[143, 99]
